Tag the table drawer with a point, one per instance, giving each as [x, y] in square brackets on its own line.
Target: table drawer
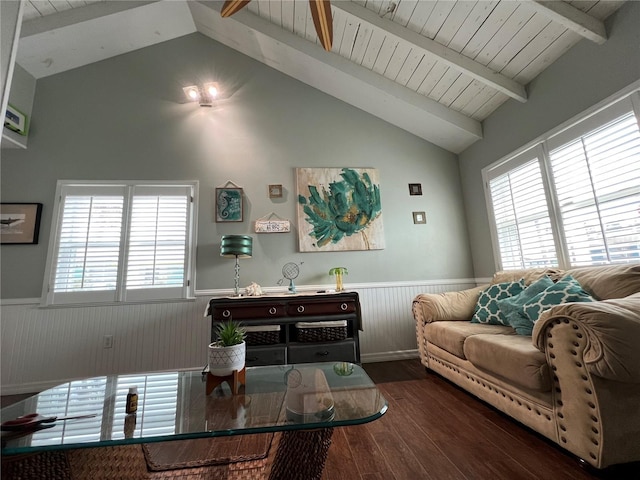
[246, 312]
[337, 307]
[266, 355]
[322, 352]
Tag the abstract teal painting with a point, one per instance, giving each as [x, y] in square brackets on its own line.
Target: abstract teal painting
[339, 209]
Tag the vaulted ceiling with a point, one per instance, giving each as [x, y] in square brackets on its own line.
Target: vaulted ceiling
[434, 68]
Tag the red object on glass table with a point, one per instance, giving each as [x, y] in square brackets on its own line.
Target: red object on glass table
[35, 420]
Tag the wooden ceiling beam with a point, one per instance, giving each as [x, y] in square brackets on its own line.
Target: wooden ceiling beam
[444, 54]
[334, 75]
[574, 19]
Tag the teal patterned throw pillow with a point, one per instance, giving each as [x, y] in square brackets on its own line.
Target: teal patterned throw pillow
[512, 307]
[487, 309]
[565, 290]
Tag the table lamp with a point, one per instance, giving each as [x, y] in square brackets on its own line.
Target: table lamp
[239, 246]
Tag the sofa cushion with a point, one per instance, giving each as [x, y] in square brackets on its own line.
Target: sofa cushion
[450, 336]
[610, 281]
[513, 307]
[511, 357]
[487, 310]
[566, 290]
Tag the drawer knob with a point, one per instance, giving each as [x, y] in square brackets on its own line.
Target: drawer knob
[323, 354]
[300, 308]
[344, 306]
[273, 310]
[226, 314]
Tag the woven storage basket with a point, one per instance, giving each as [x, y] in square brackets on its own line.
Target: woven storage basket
[321, 331]
[262, 334]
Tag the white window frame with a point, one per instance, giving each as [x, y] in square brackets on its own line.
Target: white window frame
[600, 114]
[121, 293]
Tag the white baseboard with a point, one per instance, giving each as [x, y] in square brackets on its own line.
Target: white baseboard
[389, 356]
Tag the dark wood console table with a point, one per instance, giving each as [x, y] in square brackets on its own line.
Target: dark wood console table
[287, 310]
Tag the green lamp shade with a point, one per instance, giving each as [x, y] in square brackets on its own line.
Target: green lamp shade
[236, 246]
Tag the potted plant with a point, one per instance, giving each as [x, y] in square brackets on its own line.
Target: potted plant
[228, 352]
[338, 272]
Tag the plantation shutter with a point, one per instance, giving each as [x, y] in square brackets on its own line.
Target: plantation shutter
[118, 242]
[597, 180]
[523, 226]
[158, 242]
[88, 248]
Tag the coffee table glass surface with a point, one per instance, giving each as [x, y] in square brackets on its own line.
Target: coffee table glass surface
[174, 405]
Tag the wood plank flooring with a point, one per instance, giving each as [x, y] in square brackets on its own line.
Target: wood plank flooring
[435, 430]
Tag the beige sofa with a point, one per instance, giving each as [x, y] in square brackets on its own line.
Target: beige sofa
[576, 380]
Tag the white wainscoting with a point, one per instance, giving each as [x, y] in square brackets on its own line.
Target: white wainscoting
[42, 347]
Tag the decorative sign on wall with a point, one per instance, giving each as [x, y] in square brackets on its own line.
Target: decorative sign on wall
[272, 223]
[229, 204]
[339, 209]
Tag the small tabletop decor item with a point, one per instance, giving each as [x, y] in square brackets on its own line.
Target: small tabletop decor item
[339, 272]
[253, 290]
[290, 271]
[227, 356]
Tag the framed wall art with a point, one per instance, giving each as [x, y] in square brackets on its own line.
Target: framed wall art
[20, 223]
[419, 217]
[415, 189]
[229, 203]
[275, 191]
[339, 209]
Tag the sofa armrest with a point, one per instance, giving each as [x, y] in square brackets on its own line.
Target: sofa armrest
[611, 329]
[433, 307]
[592, 351]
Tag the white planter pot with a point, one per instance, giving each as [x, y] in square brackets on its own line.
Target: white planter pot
[224, 360]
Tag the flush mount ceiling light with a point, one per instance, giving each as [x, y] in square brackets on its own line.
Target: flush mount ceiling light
[320, 11]
[205, 94]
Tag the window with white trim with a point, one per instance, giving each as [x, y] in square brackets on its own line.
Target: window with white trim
[121, 242]
[572, 199]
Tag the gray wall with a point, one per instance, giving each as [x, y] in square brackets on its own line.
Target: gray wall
[585, 75]
[122, 119]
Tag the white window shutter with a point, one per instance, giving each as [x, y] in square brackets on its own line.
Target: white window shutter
[523, 225]
[121, 242]
[597, 179]
[88, 248]
[158, 242]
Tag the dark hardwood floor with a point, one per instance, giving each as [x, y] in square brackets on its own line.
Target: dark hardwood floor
[435, 430]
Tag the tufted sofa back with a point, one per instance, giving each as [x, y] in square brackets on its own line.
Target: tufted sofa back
[603, 282]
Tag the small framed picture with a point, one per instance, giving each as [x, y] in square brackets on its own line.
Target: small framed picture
[20, 223]
[419, 217]
[415, 189]
[229, 206]
[275, 191]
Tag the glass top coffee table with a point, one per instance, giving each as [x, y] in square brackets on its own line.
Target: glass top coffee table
[304, 401]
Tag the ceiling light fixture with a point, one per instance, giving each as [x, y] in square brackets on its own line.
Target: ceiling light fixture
[205, 94]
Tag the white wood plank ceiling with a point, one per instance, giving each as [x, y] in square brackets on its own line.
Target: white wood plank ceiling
[434, 68]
